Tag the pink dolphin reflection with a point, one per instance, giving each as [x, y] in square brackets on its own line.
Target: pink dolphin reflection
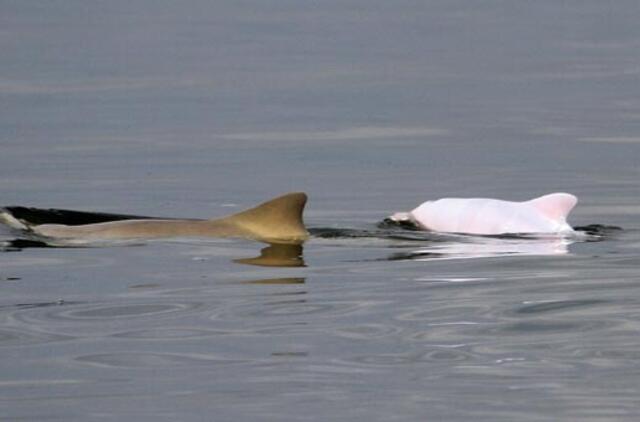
[484, 216]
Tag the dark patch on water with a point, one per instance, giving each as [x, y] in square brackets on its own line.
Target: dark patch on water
[16, 245]
[600, 230]
[410, 256]
[389, 223]
[277, 281]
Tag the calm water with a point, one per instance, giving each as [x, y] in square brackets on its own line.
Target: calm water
[201, 108]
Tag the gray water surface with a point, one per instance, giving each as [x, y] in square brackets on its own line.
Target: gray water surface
[199, 109]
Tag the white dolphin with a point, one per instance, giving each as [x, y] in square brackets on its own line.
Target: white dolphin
[484, 216]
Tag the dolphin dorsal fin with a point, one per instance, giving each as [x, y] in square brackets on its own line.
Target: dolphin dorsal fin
[555, 206]
[278, 220]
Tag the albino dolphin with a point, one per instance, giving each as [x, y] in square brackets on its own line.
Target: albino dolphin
[484, 216]
[276, 221]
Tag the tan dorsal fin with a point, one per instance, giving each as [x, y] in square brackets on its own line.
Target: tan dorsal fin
[555, 206]
[278, 220]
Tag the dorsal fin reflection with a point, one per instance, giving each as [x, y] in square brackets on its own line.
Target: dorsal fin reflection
[277, 255]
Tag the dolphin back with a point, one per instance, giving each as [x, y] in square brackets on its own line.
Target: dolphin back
[276, 221]
[29, 216]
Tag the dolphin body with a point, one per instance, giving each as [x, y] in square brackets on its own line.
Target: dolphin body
[276, 221]
[484, 216]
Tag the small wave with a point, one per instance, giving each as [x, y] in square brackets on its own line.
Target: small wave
[557, 306]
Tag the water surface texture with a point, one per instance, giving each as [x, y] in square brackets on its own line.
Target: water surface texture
[199, 109]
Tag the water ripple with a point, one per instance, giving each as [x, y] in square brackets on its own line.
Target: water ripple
[15, 337]
[445, 313]
[123, 311]
[154, 360]
[170, 333]
[366, 331]
[189, 333]
[543, 326]
[394, 359]
[102, 312]
[296, 307]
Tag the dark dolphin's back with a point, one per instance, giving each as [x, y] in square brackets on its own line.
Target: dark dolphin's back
[36, 216]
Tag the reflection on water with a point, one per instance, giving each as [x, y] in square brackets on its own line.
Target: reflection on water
[277, 255]
[486, 247]
[273, 255]
[423, 245]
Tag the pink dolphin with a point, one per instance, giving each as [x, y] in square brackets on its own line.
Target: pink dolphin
[484, 216]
